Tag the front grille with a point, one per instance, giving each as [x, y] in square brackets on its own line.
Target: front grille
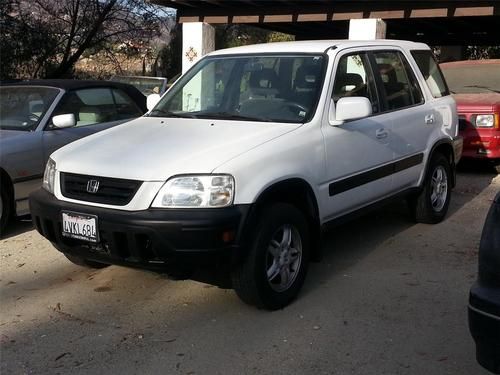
[112, 191]
[462, 123]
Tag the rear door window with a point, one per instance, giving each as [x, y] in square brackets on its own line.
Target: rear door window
[398, 84]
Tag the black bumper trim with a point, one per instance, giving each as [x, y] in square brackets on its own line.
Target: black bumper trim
[147, 239]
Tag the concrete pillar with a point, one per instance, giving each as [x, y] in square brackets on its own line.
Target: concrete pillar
[198, 39]
[367, 29]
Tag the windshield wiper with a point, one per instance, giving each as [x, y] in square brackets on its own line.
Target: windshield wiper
[170, 114]
[483, 87]
[232, 116]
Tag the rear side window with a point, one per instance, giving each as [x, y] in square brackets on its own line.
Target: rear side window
[431, 72]
[398, 81]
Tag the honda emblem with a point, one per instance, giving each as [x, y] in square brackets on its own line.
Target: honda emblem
[92, 186]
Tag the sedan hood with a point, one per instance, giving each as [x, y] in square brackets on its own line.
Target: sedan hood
[483, 102]
[153, 149]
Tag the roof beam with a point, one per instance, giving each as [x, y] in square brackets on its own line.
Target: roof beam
[271, 17]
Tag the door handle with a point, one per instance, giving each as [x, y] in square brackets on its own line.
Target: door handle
[381, 133]
[429, 119]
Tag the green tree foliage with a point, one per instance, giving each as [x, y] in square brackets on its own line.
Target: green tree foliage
[45, 38]
[239, 35]
[168, 62]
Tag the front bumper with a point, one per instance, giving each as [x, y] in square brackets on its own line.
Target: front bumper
[150, 239]
[481, 144]
[484, 325]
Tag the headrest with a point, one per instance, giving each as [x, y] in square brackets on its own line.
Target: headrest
[307, 76]
[89, 115]
[387, 72]
[264, 79]
[348, 79]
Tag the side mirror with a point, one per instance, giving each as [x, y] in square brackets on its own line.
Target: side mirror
[351, 108]
[152, 100]
[64, 121]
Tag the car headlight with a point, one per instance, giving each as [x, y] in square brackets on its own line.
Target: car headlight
[196, 192]
[484, 121]
[49, 176]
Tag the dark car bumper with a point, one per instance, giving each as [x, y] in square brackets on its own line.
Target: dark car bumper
[150, 239]
[484, 325]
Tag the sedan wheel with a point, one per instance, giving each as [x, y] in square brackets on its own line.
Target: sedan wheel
[4, 210]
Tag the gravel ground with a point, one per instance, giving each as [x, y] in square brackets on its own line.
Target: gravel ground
[389, 297]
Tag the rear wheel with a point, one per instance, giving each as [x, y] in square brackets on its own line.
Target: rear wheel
[275, 269]
[431, 204]
[79, 261]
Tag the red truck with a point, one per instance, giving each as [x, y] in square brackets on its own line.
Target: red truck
[475, 85]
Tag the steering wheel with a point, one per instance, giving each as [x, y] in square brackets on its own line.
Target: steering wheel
[296, 107]
[33, 117]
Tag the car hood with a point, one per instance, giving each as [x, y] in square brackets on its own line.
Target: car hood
[153, 149]
[467, 103]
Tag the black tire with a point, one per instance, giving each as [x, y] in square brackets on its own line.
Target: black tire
[250, 278]
[424, 207]
[5, 209]
[79, 261]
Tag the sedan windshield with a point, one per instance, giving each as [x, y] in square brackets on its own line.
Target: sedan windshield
[22, 108]
[472, 78]
[281, 88]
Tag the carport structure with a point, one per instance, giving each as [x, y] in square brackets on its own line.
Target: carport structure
[444, 23]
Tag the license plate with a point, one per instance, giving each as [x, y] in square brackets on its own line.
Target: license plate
[80, 226]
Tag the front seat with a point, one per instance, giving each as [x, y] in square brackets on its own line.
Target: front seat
[305, 84]
[349, 84]
[264, 83]
[89, 115]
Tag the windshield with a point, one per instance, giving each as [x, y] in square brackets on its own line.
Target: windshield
[472, 78]
[22, 108]
[281, 88]
[146, 85]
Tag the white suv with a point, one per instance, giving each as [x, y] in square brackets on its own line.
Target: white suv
[249, 154]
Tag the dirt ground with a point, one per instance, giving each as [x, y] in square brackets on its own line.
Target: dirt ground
[389, 297]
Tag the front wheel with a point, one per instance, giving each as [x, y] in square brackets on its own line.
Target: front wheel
[431, 204]
[274, 271]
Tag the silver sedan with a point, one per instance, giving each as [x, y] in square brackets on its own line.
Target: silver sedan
[38, 117]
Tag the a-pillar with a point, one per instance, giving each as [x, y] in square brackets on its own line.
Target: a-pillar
[367, 29]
